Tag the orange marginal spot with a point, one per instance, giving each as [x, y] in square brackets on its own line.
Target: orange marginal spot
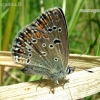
[21, 50]
[40, 25]
[23, 44]
[57, 17]
[45, 36]
[37, 35]
[29, 34]
[20, 60]
[50, 18]
[29, 38]
[45, 21]
[25, 38]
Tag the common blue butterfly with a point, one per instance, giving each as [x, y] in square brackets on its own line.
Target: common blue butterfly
[42, 46]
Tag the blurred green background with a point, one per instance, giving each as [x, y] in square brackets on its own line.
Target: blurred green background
[83, 27]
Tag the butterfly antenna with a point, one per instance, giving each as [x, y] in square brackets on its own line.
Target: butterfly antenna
[79, 67]
[75, 60]
[85, 70]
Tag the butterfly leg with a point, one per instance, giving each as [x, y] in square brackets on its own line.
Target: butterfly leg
[65, 81]
[39, 83]
[52, 88]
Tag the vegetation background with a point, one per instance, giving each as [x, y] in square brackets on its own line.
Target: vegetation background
[83, 28]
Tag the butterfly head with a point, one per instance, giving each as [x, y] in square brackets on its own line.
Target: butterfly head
[61, 74]
[69, 70]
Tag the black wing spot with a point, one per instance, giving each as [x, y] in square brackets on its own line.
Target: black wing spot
[51, 46]
[59, 29]
[28, 61]
[40, 64]
[29, 50]
[34, 41]
[30, 44]
[55, 59]
[58, 50]
[50, 30]
[54, 28]
[43, 45]
[57, 41]
[30, 55]
[43, 53]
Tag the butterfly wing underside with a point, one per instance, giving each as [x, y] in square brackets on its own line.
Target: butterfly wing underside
[42, 46]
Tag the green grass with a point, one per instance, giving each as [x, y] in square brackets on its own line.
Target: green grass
[84, 28]
[0, 41]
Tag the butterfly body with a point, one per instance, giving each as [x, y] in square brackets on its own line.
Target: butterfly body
[42, 46]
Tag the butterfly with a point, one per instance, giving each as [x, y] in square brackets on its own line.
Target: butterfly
[42, 46]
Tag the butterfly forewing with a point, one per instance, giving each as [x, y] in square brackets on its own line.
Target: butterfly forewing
[43, 44]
